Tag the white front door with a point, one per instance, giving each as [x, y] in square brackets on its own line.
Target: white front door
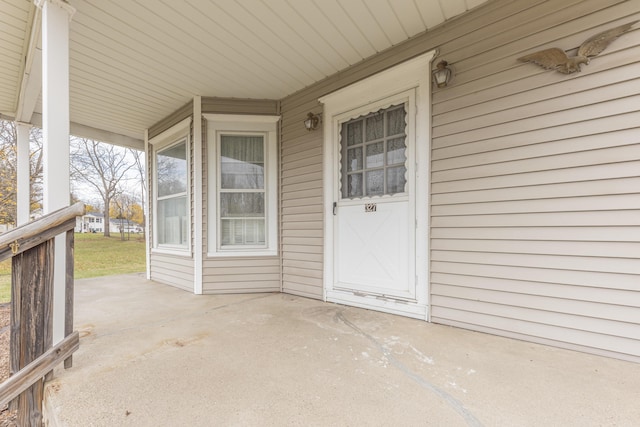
[374, 217]
[376, 150]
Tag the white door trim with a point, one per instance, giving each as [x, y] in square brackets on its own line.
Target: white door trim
[414, 74]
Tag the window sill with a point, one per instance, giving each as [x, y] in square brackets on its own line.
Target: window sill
[240, 253]
[184, 252]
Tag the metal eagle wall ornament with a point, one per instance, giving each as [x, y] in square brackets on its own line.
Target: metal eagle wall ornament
[557, 59]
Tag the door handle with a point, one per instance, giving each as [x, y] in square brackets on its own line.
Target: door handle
[335, 207]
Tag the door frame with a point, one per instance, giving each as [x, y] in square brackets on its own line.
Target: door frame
[413, 74]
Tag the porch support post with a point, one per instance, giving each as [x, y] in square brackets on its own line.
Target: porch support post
[148, 206]
[197, 194]
[56, 15]
[23, 201]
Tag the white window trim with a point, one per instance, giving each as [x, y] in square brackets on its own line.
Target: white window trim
[267, 125]
[171, 136]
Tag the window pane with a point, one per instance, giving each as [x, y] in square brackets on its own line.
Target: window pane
[172, 170]
[354, 133]
[374, 126]
[375, 155]
[241, 205]
[354, 159]
[242, 161]
[375, 182]
[354, 186]
[396, 180]
[396, 151]
[242, 231]
[172, 221]
[396, 122]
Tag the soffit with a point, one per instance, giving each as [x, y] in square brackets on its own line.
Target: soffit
[134, 62]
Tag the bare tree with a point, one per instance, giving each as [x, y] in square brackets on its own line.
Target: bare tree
[8, 171]
[138, 157]
[122, 207]
[101, 166]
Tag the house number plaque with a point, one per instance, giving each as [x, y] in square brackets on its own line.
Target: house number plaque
[370, 207]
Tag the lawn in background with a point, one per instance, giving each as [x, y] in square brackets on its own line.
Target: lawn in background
[95, 255]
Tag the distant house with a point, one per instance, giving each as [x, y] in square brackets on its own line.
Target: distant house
[91, 222]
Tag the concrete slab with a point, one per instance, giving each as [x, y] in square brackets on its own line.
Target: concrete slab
[152, 355]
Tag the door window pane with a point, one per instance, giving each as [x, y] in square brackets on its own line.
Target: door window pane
[384, 149]
[375, 126]
[396, 179]
[353, 134]
[396, 122]
[354, 159]
[375, 155]
[375, 182]
[396, 151]
[354, 185]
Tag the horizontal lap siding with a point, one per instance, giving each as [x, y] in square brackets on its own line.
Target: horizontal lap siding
[241, 275]
[301, 202]
[172, 270]
[535, 204]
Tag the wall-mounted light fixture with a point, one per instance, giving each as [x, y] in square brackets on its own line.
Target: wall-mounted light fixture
[311, 122]
[442, 74]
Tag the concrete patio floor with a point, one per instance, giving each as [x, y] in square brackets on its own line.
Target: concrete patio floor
[152, 355]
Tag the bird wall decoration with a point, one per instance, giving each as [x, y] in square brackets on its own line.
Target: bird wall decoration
[557, 59]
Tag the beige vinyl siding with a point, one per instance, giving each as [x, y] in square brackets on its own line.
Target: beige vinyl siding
[173, 270]
[171, 120]
[301, 202]
[241, 275]
[234, 274]
[535, 204]
[215, 105]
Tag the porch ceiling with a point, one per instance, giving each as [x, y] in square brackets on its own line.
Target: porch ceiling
[134, 62]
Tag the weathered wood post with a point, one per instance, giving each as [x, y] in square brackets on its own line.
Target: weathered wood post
[31, 327]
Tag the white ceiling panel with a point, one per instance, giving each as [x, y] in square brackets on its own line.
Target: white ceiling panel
[133, 62]
[15, 21]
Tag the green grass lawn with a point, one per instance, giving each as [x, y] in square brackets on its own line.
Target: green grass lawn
[95, 255]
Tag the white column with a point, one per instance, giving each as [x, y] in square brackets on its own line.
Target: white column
[56, 15]
[197, 194]
[23, 201]
[148, 206]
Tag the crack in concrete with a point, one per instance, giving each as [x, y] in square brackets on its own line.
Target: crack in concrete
[454, 403]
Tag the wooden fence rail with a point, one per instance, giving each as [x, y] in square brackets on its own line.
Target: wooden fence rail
[32, 354]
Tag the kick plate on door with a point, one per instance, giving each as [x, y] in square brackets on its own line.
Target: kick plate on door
[370, 207]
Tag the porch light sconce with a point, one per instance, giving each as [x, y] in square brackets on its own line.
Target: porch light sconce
[312, 121]
[442, 74]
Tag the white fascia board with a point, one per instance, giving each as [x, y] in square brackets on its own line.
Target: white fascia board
[31, 84]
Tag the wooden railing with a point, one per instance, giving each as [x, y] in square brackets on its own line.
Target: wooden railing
[32, 354]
